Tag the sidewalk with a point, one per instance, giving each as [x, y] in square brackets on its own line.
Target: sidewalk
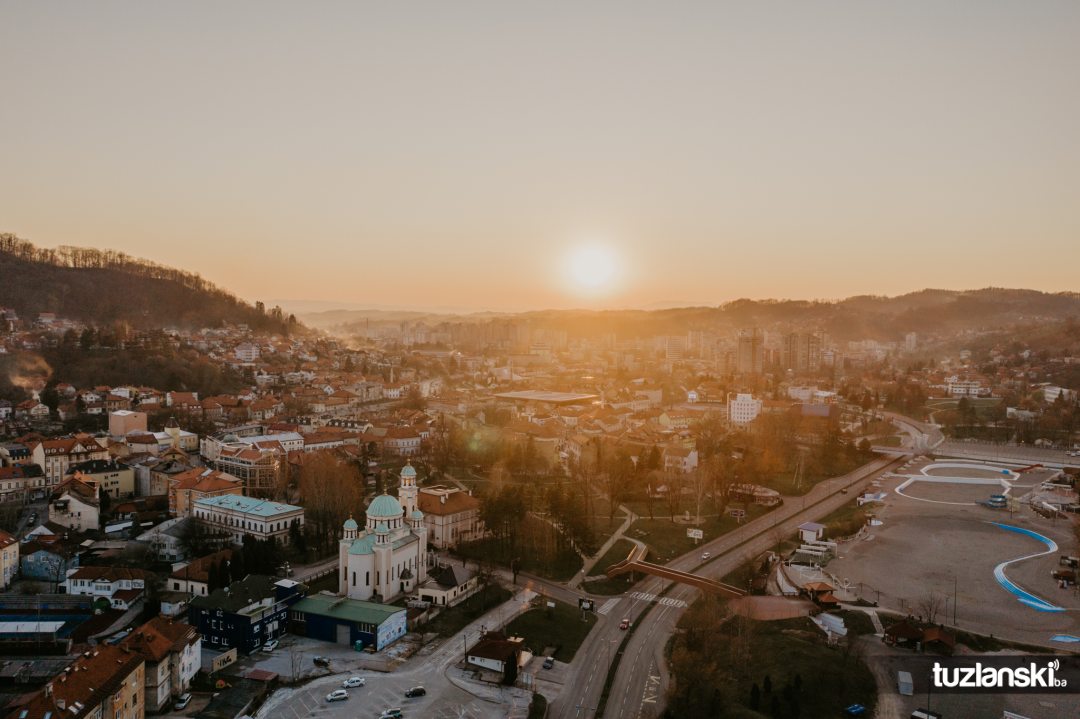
[590, 562]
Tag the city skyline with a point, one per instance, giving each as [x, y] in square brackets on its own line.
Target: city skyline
[483, 157]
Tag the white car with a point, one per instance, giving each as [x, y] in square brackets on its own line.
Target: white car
[705, 555]
[182, 702]
[338, 695]
[353, 682]
[270, 645]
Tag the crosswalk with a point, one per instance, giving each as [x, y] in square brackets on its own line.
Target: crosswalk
[662, 601]
[608, 606]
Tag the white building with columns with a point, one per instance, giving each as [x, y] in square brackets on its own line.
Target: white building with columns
[388, 558]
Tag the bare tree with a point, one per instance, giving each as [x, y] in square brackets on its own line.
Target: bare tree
[296, 663]
[929, 605]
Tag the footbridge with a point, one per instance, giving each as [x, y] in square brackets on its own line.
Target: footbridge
[635, 562]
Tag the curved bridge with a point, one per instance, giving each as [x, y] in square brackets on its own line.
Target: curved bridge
[635, 562]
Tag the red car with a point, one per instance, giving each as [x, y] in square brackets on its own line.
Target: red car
[625, 623]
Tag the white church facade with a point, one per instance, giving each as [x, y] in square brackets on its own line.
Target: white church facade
[388, 558]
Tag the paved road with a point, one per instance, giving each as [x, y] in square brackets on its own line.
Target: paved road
[641, 679]
[450, 694]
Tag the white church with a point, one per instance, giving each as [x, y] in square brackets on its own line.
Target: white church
[387, 559]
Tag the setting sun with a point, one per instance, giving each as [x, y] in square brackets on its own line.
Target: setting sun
[592, 268]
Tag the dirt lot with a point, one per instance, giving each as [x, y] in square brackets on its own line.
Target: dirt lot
[922, 546]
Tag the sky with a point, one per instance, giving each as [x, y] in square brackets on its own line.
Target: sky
[509, 156]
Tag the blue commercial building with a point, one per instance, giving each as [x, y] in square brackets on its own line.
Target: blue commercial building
[347, 621]
[246, 614]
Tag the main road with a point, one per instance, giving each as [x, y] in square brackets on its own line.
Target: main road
[640, 682]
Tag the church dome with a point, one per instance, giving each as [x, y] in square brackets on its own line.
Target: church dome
[384, 506]
[381, 528]
[417, 514]
[408, 471]
[350, 523]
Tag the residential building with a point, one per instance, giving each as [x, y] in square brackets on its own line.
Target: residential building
[166, 540]
[9, 559]
[448, 585]
[801, 351]
[743, 409]
[259, 469]
[16, 481]
[48, 557]
[237, 516]
[123, 587]
[75, 504]
[451, 515]
[348, 621]
[123, 422]
[172, 652]
[750, 352]
[246, 614]
[55, 456]
[112, 478]
[188, 487]
[495, 654]
[388, 558]
[194, 577]
[107, 682]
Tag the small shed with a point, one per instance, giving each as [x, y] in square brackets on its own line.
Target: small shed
[811, 531]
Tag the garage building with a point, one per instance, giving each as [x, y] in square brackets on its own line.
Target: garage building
[347, 621]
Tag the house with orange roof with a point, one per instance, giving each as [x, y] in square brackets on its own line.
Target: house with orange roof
[106, 682]
[172, 652]
[199, 483]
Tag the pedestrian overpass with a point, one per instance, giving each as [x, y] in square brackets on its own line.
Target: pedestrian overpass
[635, 562]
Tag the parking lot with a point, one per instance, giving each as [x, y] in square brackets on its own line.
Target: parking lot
[951, 550]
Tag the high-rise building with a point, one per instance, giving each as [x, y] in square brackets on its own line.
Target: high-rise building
[802, 351]
[750, 352]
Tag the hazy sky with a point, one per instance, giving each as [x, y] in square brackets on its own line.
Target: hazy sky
[454, 153]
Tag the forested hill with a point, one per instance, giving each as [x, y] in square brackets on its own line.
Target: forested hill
[100, 287]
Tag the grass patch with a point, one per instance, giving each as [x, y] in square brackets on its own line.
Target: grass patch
[452, 620]
[562, 627]
[668, 540]
[559, 565]
[611, 585]
[846, 520]
[857, 622]
[538, 706]
[718, 663]
[619, 551]
[893, 440]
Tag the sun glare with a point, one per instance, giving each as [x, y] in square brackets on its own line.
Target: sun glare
[592, 268]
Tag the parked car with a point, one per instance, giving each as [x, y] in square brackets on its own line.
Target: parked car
[625, 623]
[352, 682]
[321, 661]
[549, 662]
[270, 645]
[182, 702]
[415, 692]
[705, 555]
[390, 714]
[338, 695]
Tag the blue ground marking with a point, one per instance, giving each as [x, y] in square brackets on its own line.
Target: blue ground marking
[1026, 597]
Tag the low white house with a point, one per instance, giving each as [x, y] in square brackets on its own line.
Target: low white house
[123, 587]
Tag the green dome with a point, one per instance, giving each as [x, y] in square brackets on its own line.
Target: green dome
[350, 523]
[417, 514]
[408, 471]
[384, 506]
[381, 528]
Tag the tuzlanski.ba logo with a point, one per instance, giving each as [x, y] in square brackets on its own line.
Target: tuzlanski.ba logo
[1029, 676]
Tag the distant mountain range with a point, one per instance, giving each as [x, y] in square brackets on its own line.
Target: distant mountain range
[871, 317]
[101, 287]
